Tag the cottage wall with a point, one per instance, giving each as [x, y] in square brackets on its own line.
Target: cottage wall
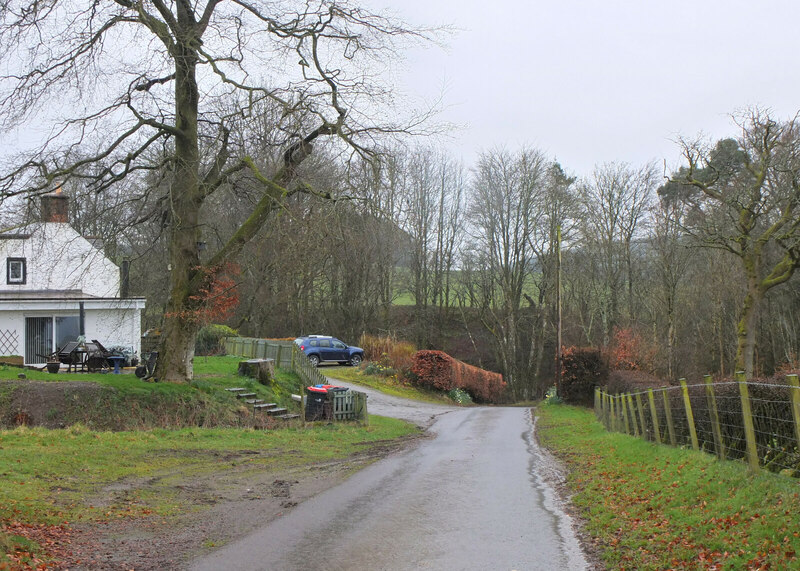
[62, 270]
[111, 323]
[12, 333]
[58, 258]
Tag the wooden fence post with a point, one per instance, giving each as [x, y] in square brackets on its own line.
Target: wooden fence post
[599, 401]
[632, 408]
[795, 393]
[614, 412]
[278, 356]
[603, 409]
[719, 445]
[637, 404]
[625, 414]
[597, 408]
[633, 414]
[641, 415]
[747, 416]
[361, 408]
[604, 401]
[668, 416]
[654, 415]
[689, 415]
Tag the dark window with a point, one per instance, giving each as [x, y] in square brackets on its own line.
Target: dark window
[15, 271]
[338, 345]
[67, 329]
[324, 343]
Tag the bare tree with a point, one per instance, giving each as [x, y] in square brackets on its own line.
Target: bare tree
[670, 253]
[560, 213]
[431, 189]
[163, 86]
[504, 210]
[749, 205]
[615, 201]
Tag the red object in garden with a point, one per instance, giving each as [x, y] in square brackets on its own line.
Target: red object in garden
[321, 388]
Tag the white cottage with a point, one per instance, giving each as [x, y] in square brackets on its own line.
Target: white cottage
[56, 285]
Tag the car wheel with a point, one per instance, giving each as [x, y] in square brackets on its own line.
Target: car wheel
[314, 360]
[355, 360]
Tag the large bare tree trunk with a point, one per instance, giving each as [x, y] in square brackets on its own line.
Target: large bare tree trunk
[177, 346]
[746, 330]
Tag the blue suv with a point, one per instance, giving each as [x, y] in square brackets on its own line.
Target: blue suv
[325, 349]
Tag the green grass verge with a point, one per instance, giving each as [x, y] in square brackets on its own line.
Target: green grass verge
[57, 477]
[657, 507]
[387, 385]
[124, 402]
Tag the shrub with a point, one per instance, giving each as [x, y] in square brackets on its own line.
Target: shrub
[438, 370]
[373, 368]
[551, 397]
[630, 351]
[583, 369]
[209, 339]
[388, 351]
[460, 396]
[632, 381]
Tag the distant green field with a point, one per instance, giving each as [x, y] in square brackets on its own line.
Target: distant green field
[403, 296]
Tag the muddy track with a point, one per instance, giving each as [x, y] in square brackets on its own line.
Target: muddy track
[221, 506]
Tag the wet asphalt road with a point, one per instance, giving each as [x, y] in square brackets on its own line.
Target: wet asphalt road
[470, 498]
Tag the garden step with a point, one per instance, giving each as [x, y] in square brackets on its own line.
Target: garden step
[265, 406]
[236, 389]
[245, 395]
[288, 416]
[254, 401]
[276, 411]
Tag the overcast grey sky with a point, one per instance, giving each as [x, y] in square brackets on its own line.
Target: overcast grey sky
[591, 81]
[596, 81]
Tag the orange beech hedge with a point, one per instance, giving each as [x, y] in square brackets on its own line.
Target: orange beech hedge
[438, 370]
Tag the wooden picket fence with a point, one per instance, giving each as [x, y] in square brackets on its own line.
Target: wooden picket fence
[756, 422]
[252, 348]
[348, 406]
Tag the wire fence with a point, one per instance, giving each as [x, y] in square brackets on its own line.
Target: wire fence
[757, 422]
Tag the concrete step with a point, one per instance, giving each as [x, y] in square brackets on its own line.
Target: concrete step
[254, 401]
[245, 395]
[288, 416]
[265, 406]
[276, 411]
[236, 389]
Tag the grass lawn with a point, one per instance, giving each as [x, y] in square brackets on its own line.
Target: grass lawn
[657, 507]
[53, 478]
[128, 403]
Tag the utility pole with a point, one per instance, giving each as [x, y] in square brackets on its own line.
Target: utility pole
[558, 306]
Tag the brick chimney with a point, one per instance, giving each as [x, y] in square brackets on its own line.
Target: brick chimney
[55, 206]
